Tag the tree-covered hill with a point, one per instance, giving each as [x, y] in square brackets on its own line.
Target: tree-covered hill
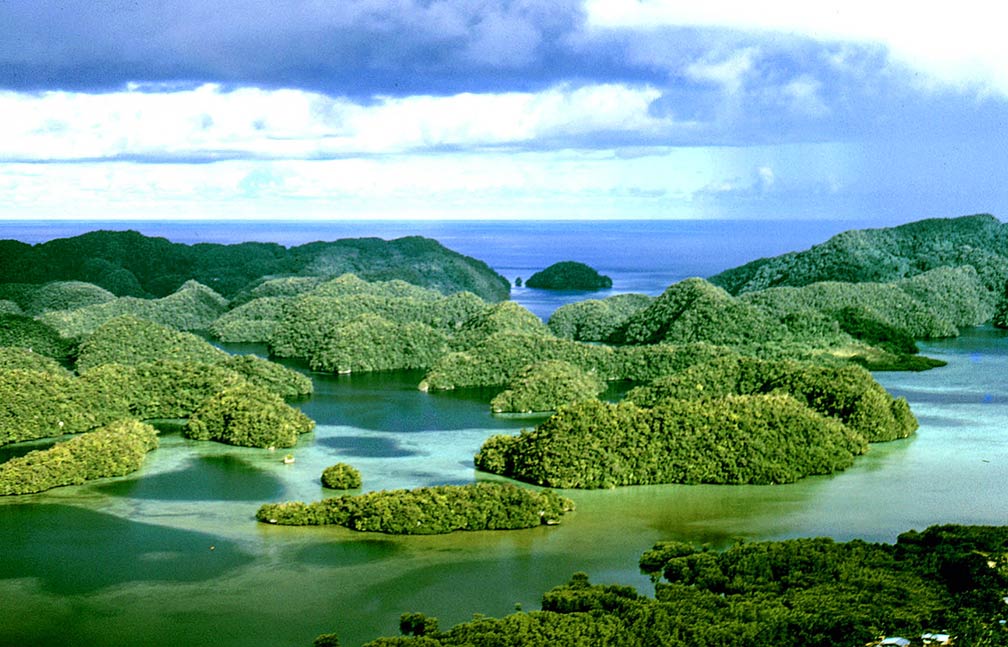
[884, 255]
[569, 275]
[127, 263]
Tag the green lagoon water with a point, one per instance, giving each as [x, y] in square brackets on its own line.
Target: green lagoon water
[172, 554]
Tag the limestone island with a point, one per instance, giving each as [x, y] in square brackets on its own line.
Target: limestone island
[569, 275]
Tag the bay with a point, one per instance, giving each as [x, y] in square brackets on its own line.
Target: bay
[172, 554]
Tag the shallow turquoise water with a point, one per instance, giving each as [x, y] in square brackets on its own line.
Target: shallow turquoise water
[172, 554]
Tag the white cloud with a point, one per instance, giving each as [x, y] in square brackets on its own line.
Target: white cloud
[960, 43]
[657, 182]
[292, 124]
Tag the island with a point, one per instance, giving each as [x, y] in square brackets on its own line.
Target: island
[569, 275]
[427, 510]
[946, 583]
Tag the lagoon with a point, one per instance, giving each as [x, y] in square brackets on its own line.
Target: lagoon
[172, 554]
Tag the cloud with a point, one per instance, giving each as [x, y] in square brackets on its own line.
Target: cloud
[211, 123]
[355, 47]
[960, 44]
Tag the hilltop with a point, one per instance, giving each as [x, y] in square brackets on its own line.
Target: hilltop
[127, 263]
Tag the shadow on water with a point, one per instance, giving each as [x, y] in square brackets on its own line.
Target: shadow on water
[207, 478]
[20, 449]
[366, 447]
[390, 401]
[72, 550]
[351, 553]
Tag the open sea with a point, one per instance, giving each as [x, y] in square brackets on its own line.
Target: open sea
[172, 554]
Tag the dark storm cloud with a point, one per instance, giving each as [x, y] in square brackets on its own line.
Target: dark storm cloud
[349, 47]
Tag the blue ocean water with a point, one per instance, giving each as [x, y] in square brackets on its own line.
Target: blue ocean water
[643, 256]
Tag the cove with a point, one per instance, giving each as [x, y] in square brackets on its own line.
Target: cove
[128, 561]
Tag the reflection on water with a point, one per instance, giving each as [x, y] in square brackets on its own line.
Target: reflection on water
[220, 478]
[139, 546]
[72, 550]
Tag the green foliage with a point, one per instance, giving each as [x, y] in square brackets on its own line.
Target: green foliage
[861, 323]
[884, 255]
[755, 439]
[129, 340]
[8, 307]
[426, 510]
[39, 404]
[341, 477]
[114, 450]
[326, 640]
[348, 324]
[417, 624]
[594, 319]
[128, 263]
[192, 307]
[23, 358]
[501, 356]
[249, 416]
[371, 343]
[277, 378]
[42, 400]
[25, 332]
[66, 295]
[848, 393]
[254, 321]
[569, 275]
[506, 317]
[268, 288]
[546, 385]
[810, 592]
[696, 311]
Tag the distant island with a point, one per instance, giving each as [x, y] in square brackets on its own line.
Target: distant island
[569, 275]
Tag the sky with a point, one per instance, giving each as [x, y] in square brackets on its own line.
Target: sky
[641, 109]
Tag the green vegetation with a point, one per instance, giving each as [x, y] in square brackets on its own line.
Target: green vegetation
[43, 400]
[884, 255]
[696, 311]
[497, 359]
[848, 393]
[568, 275]
[347, 325]
[427, 510]
[596, 320]
[114, 450]
[25, 332]
[63, 295]
[254, 321]
[129, 340]
[341, 477]
[809, 592]
[39, 404]
[735, 439]
[546, 385]
[8, 307]
[277, 378]
[192, 307]
[129, 264]
[249, 416]
[26, 359]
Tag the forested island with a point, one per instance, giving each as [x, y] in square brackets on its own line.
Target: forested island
[946, 580]
[427, 510]
[758, 375]
[569, 275]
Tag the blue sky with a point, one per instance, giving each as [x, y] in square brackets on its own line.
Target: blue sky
[501, 109]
